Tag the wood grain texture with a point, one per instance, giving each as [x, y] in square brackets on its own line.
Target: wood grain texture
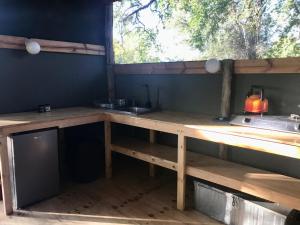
[160, 155]
[154, 121]
[128, 198]
[193, 125]
[263, 141]
[181, 171]
[176, 68]
[256, 182]
[289, 65]
[227, 75]
[267, 185]
[152, 140]
[12, 42]
[19, 122]
[108, 149]
[206, 128]
[258, 66]
[5, 148]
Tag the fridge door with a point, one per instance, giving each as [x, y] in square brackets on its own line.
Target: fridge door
[36, 168]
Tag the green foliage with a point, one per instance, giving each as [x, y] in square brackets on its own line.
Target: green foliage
[135, 48]
[285, 47]
[236, 29]
[135, 43]
[242, 26]
[203, 19]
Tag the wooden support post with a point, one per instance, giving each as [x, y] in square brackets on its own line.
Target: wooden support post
[108, 158]
[226, 87]
[181, 171]
[5, 147]
[152, 139]
[110, 59]
[226, 99]
[223, 151]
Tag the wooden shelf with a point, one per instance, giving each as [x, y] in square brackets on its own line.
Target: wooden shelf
[267, 185]
[160, 155]
[264, 184]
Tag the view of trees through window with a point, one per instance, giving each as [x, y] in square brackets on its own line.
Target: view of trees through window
[181, 30]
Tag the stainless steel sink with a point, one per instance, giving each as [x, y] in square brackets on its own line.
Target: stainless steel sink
[137, 110]
[132, 110]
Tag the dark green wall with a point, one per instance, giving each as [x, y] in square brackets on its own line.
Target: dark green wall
[178, 93]
[58, 79]
[202, 94]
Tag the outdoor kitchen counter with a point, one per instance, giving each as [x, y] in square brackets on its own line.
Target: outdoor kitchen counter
[191, 125]
[206, 128]
[183, 125]
[26, 121]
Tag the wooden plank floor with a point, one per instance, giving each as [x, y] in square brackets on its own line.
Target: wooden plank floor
[130, 197]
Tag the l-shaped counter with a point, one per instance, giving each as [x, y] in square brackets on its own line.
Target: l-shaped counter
[270, 186]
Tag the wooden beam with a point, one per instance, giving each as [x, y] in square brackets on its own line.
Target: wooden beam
[108, 159]
[5, 148]
[268, 66]
[152, 140]
[12, 42]
[176, 68]
[259, 66]
[110, 59]
[181, 171]
[160, 155]
[226, 87]
[226, 99]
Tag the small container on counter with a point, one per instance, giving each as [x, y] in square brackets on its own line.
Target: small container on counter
[44, 108]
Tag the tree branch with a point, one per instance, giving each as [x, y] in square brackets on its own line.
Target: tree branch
[140, 9]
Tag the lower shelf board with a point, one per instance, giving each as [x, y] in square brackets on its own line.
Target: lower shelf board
[264, 184]
[160, 155]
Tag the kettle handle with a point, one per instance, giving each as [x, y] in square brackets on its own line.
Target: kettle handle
[259, 88]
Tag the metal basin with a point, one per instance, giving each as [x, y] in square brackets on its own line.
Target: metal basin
[137, 110]
[132, 110]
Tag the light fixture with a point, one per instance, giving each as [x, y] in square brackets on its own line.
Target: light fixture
[213, 65]
[32, 46]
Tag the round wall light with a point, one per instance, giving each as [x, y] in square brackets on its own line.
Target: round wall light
[213, 65]
[32, 46]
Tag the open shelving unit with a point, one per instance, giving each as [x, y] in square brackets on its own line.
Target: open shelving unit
[156, 154]
[267, 185]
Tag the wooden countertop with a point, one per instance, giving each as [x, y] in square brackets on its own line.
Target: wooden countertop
[19, 122]
[183, 124]
[192, 125]
[206, 128]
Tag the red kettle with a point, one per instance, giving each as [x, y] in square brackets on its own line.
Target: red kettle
[256, 102]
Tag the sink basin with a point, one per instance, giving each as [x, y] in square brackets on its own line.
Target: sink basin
[137, 110]
[132, 110]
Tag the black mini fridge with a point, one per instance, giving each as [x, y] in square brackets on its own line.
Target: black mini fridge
[35, 166]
